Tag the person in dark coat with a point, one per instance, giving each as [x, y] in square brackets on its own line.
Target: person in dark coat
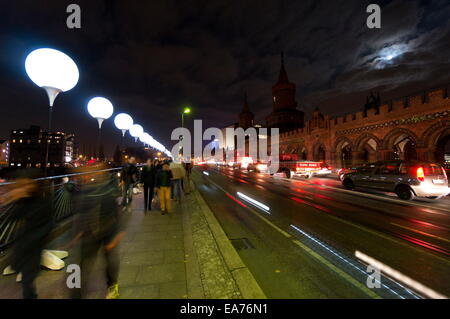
[100, 226]
[33, 214]
[128, 177]
[163, 183]
[148, 176]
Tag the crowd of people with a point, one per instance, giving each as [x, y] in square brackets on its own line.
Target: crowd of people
[162, 181]
[102, 203]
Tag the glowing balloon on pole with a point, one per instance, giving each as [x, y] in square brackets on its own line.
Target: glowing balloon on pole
[123, 122]
[142, 138]
[100, 109]
[55, 72]
[52, 70]
[136, 130]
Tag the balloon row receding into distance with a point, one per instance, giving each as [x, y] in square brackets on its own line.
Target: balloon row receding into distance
[56, 72]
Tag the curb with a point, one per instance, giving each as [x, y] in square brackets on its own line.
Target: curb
[244, 279]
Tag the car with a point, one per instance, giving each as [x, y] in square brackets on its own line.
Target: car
[407, 179]
[344, 171]
[258, 167]
[324, 170]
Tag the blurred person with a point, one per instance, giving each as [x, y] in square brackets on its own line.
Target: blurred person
[158, 165]
[148, 176]
[99, 226]
[187, 179]
[178, 174]
[163, 182]
[129, 177]
[32, 212]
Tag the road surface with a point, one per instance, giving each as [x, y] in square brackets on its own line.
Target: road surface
[299, 237]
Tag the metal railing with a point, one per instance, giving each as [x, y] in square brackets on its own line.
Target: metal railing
[62, 190]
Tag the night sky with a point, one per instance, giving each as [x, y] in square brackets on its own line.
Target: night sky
[152, 57]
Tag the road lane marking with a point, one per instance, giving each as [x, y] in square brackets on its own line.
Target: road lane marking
[349, 263]
[285, 234]
[340, 272]
[421, 232]
[417, 286]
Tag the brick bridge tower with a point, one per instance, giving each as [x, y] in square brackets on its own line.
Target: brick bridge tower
[285, 114]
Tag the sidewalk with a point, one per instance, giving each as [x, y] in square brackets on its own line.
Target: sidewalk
[183, 255]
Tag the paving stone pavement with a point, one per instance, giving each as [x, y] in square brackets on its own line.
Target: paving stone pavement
[162, 256]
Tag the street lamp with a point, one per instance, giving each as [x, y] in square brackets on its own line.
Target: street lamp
[123, 122]
[100, 109]
[136, 131]
[186, 110]
[53, 71]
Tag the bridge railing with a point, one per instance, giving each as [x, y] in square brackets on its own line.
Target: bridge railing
[61, 190]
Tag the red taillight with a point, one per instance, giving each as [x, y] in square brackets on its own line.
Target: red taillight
[420, 174]
[330, 168]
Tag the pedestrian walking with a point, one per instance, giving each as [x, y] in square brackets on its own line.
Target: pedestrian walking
[178, 174]
[129, 177]
[100, 226]
[187, 178]
[148, 177]
[163, 181]
[33, 214]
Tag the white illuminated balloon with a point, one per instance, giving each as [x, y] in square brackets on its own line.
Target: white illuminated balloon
[148, 139]
[136, 130]
[100, 109]
[123, 122]
[52, 70]
[142, 137]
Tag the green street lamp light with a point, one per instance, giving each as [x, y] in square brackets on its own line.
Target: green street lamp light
[186, 110]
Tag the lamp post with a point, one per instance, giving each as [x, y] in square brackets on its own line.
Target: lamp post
[100, 109]
[186, 110]
[55, 72]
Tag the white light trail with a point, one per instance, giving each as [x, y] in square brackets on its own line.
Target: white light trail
[345, 260]
[417, 286]
[254, 202]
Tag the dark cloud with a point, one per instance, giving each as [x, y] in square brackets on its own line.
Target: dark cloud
[152, 57]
